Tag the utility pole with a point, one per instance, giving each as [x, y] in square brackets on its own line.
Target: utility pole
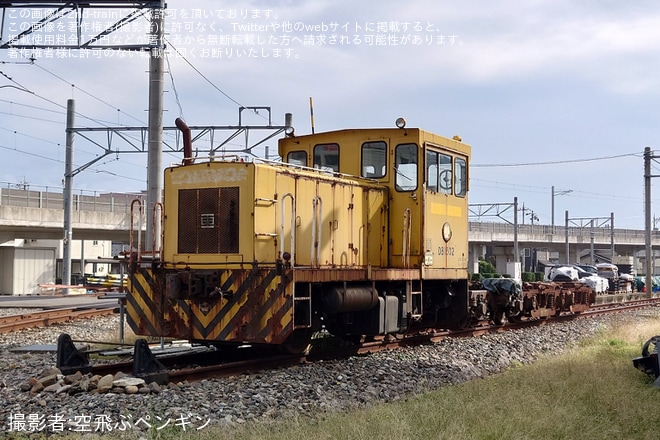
[648, 155]
[68, 195]
[516, 250]
[480, 210]
[155, 157]
[591, 222]
[568, 256]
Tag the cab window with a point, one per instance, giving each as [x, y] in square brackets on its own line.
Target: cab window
[460, 176]
[438, 172]
[326, 157]
[297, 158]
[374, 159]
[405, 166]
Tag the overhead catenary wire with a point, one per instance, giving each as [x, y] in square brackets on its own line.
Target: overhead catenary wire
[491, 184]
[554, 162]
[50, 101]
[47, 141]
[176, 93]
[226, 95]
[91, 95]
[95, 97]
[95, 120]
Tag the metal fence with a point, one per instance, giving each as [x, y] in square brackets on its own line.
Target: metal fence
[33, 196]
[602, 233]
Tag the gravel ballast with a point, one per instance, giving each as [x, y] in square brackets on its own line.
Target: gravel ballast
[308, 389]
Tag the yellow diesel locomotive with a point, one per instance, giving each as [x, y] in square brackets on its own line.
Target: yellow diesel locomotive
[361, 232]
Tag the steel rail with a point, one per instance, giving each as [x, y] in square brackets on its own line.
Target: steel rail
[179, 367]
[48, 317]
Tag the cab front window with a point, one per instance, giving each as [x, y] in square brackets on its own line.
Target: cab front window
[374, 159]
[406, 167]
[297, 158]
[326, 157]
[438, 172]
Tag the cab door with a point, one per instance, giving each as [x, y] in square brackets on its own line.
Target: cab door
[445, 210]
[405, 206]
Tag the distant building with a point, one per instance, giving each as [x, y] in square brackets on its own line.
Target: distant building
[25, 264]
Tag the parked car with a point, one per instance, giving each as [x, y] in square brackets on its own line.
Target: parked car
[607, 270]
[569, 272]
[587, 268]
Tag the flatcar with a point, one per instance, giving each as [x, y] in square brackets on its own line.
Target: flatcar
[360, 232]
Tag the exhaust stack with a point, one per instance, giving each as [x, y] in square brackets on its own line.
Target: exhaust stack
[187, 141]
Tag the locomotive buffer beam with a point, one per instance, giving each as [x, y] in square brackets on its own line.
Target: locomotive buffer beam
[649, 362]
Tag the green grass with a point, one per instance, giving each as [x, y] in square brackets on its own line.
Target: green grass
[591, 392]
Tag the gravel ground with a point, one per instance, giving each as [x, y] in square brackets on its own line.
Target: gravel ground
[340, 385]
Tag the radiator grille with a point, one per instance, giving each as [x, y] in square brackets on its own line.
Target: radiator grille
[208, 221]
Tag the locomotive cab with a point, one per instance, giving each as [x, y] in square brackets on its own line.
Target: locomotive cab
[427, 180]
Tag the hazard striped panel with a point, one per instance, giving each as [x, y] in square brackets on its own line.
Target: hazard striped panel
[255, 306]
[143, 315]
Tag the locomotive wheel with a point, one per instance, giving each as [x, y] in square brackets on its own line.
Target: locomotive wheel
[353, 339]
[514, 319]
[513, 316]
[498, 316]
[298, 342]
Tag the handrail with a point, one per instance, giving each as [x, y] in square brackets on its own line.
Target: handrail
[158, 220]
[138, 247]
[293, 227]
[317, 221]
[407, 229]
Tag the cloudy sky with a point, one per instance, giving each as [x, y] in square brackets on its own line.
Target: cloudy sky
[556, 93]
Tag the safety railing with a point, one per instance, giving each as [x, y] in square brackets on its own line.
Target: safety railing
[32, 196]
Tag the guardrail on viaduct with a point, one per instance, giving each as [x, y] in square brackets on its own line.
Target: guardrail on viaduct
[83, 200]
[555, 234]
[39, 214]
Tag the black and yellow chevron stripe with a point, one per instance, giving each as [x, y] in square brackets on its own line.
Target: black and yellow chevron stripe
[258, 309]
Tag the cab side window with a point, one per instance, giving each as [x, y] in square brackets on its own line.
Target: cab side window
[406, 167]
[432, 171]
[374, 159]
[439, 172]
[326, 157]
[297, 158]
[461, 179]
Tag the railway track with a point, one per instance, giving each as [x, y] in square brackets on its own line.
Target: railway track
[199, 366]
[45, 318]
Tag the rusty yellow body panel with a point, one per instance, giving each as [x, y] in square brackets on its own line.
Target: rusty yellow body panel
[338, 222]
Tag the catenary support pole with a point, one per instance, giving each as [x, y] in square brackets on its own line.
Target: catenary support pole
[515, 230]
[68, 195]
[568, 255]
[647, 212]
[155, 135]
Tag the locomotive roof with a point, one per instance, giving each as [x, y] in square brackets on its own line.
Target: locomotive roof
[362, 134]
